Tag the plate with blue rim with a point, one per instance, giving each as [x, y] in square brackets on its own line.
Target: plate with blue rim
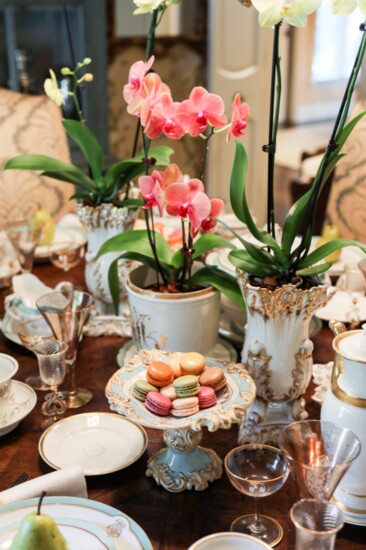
[86, 523]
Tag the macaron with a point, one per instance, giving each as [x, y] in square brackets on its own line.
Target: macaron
[175, 365]
[185, 406]
[213, 377]
[186, 386]
[141, 388]
[169, 391]
[157, 403]
[159, 374]
[192, 363]
[206, 397]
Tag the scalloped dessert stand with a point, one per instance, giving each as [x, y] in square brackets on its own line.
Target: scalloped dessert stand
[183, 464]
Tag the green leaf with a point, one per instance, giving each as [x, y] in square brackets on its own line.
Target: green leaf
[113, 281]
[126, 170]
[259, 254]
[326, 249]
[224, 282]
[314, 270]
[344, 134]
[242, 260]
[48, 165]
[89, 145]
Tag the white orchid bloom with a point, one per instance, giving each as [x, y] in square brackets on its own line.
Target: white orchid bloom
[294, 12]
[52, 90]
[147, 6]
[344, 7]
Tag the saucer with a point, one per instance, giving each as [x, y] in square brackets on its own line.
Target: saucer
[22, 401]
[223, 351]
[341, 307]
[100, 443]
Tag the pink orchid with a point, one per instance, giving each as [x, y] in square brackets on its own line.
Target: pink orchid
[201, 109]
[171, 174]
[143, 103]
[163, 119]
[239, 118]
[188, 200]
[216, 206]
[135, 79]
[150, 187]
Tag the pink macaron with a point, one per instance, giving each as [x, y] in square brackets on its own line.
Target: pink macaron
[158, 403]
[206, 397]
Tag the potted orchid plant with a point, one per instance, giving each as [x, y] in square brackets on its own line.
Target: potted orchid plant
[280, 279]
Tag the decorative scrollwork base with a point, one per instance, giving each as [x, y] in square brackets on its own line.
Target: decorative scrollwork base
[183, 464]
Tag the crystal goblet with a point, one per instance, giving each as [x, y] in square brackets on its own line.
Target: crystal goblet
[319, 453]
[258, 471]
[66, 312]
[24, 234]
[31, 333]
[66, 255]
[51, 355]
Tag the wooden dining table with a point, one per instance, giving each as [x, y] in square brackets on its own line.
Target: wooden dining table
[170, 520]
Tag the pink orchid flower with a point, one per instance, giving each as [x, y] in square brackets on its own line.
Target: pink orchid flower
[201, 109]
[208, 224]
[163, 119]
[239, 118]
[135, 78]
[150, 187]
[143, 103]
[171, 174]
[188, 200]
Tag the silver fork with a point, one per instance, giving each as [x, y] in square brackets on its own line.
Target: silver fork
[21, 479]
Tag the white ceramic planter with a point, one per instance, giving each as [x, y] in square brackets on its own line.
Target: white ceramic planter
[101, 223]
[172, 322]
[278, 354]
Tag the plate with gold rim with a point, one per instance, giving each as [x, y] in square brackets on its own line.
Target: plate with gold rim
[100, 443]
[115, 530]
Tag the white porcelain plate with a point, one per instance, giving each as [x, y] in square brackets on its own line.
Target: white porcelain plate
[229, 541]
[100, 443]
[113, 528]
[22, 401]
[63, 234]
[342, 307]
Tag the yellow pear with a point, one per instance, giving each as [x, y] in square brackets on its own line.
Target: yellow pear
[44, 219]
[329, 233]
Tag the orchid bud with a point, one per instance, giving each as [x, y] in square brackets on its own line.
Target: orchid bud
[66, 71]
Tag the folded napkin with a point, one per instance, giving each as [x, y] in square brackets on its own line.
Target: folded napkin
[66, 482]
[28, 288]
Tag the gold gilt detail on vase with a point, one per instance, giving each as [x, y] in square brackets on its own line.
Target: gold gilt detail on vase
[141, 335]
[303, 362]
[258, 365]
[106, 216]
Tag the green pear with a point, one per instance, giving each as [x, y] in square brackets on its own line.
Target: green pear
[38, 531]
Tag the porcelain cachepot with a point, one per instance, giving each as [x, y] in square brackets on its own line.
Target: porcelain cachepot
[173, 322]
[345, 404]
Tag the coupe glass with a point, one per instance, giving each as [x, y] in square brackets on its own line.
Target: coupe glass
[258, 471]
[51, 355]
[24, 234]
[319, 454]
[66, 312]
[31, 333]
[67, 255]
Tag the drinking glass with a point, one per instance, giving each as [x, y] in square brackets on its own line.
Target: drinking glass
[319, 453]
[317, 523]
[31, 333]
[24, 234]
[67, 255]
[66, 312]
[258, 471]
[51, 355]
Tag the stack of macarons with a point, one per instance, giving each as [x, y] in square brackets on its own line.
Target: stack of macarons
[181, 387]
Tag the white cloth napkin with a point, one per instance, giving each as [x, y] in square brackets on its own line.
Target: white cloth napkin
[66, 482]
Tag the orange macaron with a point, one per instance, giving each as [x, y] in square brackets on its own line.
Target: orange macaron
[192, 363]
[213, 377]
[159, 374]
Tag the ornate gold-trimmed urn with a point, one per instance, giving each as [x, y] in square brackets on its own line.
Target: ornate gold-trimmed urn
[278, 355]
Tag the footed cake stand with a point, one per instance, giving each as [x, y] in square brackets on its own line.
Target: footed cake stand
[183, 464]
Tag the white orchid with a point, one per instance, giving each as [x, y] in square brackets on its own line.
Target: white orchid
[294, 12]
[344, 7]
[52, 90]
[148, 6]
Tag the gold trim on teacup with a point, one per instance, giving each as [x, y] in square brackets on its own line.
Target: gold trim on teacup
[348, 508]
[337, 370]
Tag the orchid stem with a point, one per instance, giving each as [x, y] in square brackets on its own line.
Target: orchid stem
[204, 155]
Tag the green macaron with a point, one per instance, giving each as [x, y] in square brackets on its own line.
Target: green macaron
[186, 386]
[141, 388]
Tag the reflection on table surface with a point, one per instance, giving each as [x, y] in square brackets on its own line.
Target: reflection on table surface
[171, 521]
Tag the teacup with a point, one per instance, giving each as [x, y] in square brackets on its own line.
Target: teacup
[229, 541]
[8, 368]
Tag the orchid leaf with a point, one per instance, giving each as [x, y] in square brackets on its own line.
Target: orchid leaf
[242, 260]
[89, 145]
[227, 284]
[113, 282]
[259, 254]
[126, 170]
[344, 134]
[314, 270]
[326, 249]
[205, 243]
[137, 241]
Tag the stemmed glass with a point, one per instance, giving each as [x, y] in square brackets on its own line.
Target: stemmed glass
[258, 471]
[67, 255]
[51, 355]
[66, 312]
[24, 234]
[31, 333]
[319, 454]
